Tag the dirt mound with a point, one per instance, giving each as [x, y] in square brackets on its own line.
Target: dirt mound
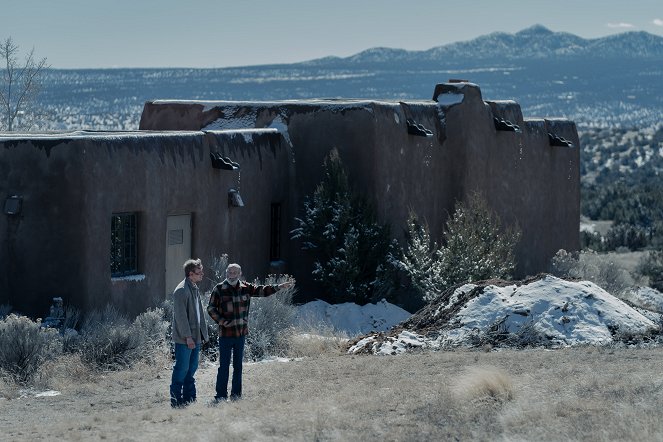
[540, 311]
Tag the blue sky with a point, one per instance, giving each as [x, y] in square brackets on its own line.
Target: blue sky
[219, 33]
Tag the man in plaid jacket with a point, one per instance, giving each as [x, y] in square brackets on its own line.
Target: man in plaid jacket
[229, 307]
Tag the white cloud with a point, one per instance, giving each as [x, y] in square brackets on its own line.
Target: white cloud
[620, 25]
[658, 22]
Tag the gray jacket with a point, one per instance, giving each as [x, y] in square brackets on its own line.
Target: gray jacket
[185, 321]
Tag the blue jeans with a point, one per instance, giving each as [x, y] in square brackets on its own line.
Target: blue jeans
[183, 385]
[228, 346]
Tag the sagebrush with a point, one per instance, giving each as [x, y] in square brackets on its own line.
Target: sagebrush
[595, 267]
[109, 340]
[25, 346]
[270, 321]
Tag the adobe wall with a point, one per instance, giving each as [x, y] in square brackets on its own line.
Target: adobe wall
[72, 183]
[526, 181]
[40, 248]
[396, 171]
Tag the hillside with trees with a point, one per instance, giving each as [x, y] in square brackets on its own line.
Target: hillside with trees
[621, 182]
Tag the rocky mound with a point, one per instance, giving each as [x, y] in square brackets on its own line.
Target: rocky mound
[542, 311]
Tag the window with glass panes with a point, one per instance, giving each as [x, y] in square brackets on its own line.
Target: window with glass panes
[123, 249]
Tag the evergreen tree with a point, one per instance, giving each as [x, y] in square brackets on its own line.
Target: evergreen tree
[475, 245]
[420, 260]
[340, 230]
[651, 266]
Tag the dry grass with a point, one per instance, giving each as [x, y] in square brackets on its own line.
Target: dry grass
[313, 339]
[572, 394]
[626, 260]
[480, 383]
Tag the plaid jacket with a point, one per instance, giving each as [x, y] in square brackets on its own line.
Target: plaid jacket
[229, 306]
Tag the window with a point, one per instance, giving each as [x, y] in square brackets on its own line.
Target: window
[275, 233]
[123, 250]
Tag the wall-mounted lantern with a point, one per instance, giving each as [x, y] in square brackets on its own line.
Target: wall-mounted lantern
[13, 205]
[234, 198]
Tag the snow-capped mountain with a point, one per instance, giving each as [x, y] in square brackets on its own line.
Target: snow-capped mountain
[535, 42]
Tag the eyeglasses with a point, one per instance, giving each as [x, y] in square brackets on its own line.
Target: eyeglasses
[198, 272]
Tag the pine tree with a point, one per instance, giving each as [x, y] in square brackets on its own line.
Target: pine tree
[475, 245]
[420, 260]
[651, 266]
[340, 230]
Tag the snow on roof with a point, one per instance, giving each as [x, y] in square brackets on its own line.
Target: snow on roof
[246, 133]
[97, 135]
[449, 99]
[340, 103]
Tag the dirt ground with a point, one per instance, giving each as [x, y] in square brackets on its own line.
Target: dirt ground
[579, 394]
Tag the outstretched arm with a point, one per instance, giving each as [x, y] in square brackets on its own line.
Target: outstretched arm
[268, 290]
[285, 285]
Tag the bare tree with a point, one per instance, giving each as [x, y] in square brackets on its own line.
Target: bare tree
[19, 86]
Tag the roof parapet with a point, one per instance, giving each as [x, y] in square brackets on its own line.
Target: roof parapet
[455, 87]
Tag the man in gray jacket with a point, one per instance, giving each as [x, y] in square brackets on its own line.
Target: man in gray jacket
[189, 332]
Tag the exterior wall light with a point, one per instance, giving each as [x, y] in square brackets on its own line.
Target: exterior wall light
[13, 205]
[234, 198]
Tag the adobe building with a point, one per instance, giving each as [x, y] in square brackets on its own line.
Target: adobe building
[109, 217]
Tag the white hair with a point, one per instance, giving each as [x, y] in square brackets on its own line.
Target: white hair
[234, 266]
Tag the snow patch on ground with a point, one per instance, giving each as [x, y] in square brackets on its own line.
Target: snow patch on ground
[646, 298]
[351, 318]
[32, 393]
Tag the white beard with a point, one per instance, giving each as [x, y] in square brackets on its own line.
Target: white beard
[232, 282]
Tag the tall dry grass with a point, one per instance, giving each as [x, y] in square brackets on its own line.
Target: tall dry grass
[593, 394]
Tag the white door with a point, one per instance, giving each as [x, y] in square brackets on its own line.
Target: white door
[178, 249]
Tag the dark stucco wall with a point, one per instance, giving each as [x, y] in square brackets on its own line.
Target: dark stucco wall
[143, 173]
[72, 184]
[40, 248]
[528, 182]
[525, 180]
[244, 233]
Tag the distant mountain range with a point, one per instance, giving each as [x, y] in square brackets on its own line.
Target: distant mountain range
[614, 81]
[534, 43]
